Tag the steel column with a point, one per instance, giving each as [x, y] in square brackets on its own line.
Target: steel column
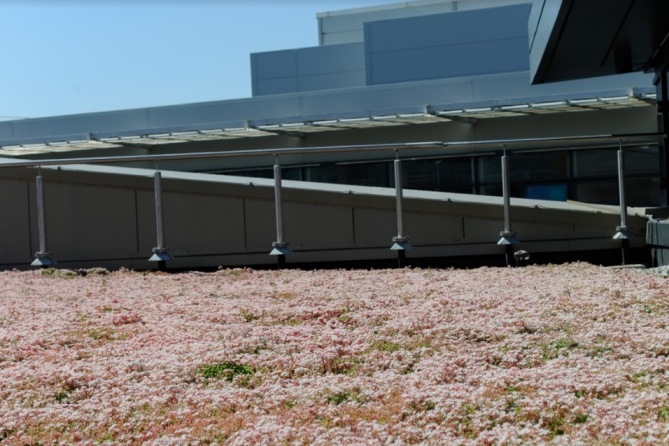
[43, 256]
[279, 246]
[400, 241]
[160, 252]
[623, 233]
[508, 237]
[662, 90]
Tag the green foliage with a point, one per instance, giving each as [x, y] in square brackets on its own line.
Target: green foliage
[561, 347]
[663, 413]
[226, 370]
[580, 418]
[247, 315]
[352, 394]
[386, 346]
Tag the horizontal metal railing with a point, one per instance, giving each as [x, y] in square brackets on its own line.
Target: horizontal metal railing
[512, 145]
[400, 241]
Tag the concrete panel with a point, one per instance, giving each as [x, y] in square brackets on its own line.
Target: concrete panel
[479, 230]
[15, 226]
[427, 229]
[541, 231]
[203, 224]
[194, 224]
[146, 223]
[89, 222]
[375, 227]
[260, 224]
[316, 226]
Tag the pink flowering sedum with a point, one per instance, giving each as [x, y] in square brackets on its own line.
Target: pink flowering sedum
[571, 354]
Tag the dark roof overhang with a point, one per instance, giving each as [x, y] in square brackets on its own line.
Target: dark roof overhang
[573, 39]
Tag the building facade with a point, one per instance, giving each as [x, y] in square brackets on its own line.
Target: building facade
[444, 86]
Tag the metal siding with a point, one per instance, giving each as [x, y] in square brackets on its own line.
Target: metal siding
[317, 68]
[275, 86]
[273, 64]
[447, 45]
[337, 27]
[471, 59]
[79, 124]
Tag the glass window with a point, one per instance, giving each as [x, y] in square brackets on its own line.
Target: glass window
[595, 163]
[642, 160]
[556, 192]
[539, 166]
[490, 169]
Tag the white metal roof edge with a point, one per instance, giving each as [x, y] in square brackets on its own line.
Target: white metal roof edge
[351, 189]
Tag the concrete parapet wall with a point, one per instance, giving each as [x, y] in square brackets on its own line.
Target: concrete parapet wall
[103, 216]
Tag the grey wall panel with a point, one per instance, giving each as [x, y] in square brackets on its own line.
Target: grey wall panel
[15, 246]
[308, 69]
[447, 45]
[483, 230]
[80, 124]
[347, 26]
[278, 85]
[203, 224]
[234, 110]
[324, 81]
[260, 224]
[90, 222]
[146, 222]
[273, 64]
[447, 29]
[375, 227]
[317, 226]
[449, 61]
[427, 229]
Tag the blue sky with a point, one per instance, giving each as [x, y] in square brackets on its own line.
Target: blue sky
[76, 56]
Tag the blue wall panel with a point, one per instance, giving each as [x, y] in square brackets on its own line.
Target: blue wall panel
[308, 69]
[447, 45]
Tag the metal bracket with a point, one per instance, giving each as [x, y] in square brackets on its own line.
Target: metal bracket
[43, 259]
[507, 238]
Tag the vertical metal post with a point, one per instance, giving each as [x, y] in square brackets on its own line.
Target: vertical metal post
[400, 241]
[662, 90]
[508, 237]
[623, 233]
[43, 256]
[279, 246]
[160, 252]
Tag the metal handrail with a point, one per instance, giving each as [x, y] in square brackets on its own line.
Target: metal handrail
[512, 145]
[161, 254]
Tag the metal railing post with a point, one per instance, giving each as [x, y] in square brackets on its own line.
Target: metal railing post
[400, 241]
[508, 237]
[160, 252]
[43, 256]
[279, 246]
[623, 233]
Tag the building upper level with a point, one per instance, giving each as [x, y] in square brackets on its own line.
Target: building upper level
[404, 42]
